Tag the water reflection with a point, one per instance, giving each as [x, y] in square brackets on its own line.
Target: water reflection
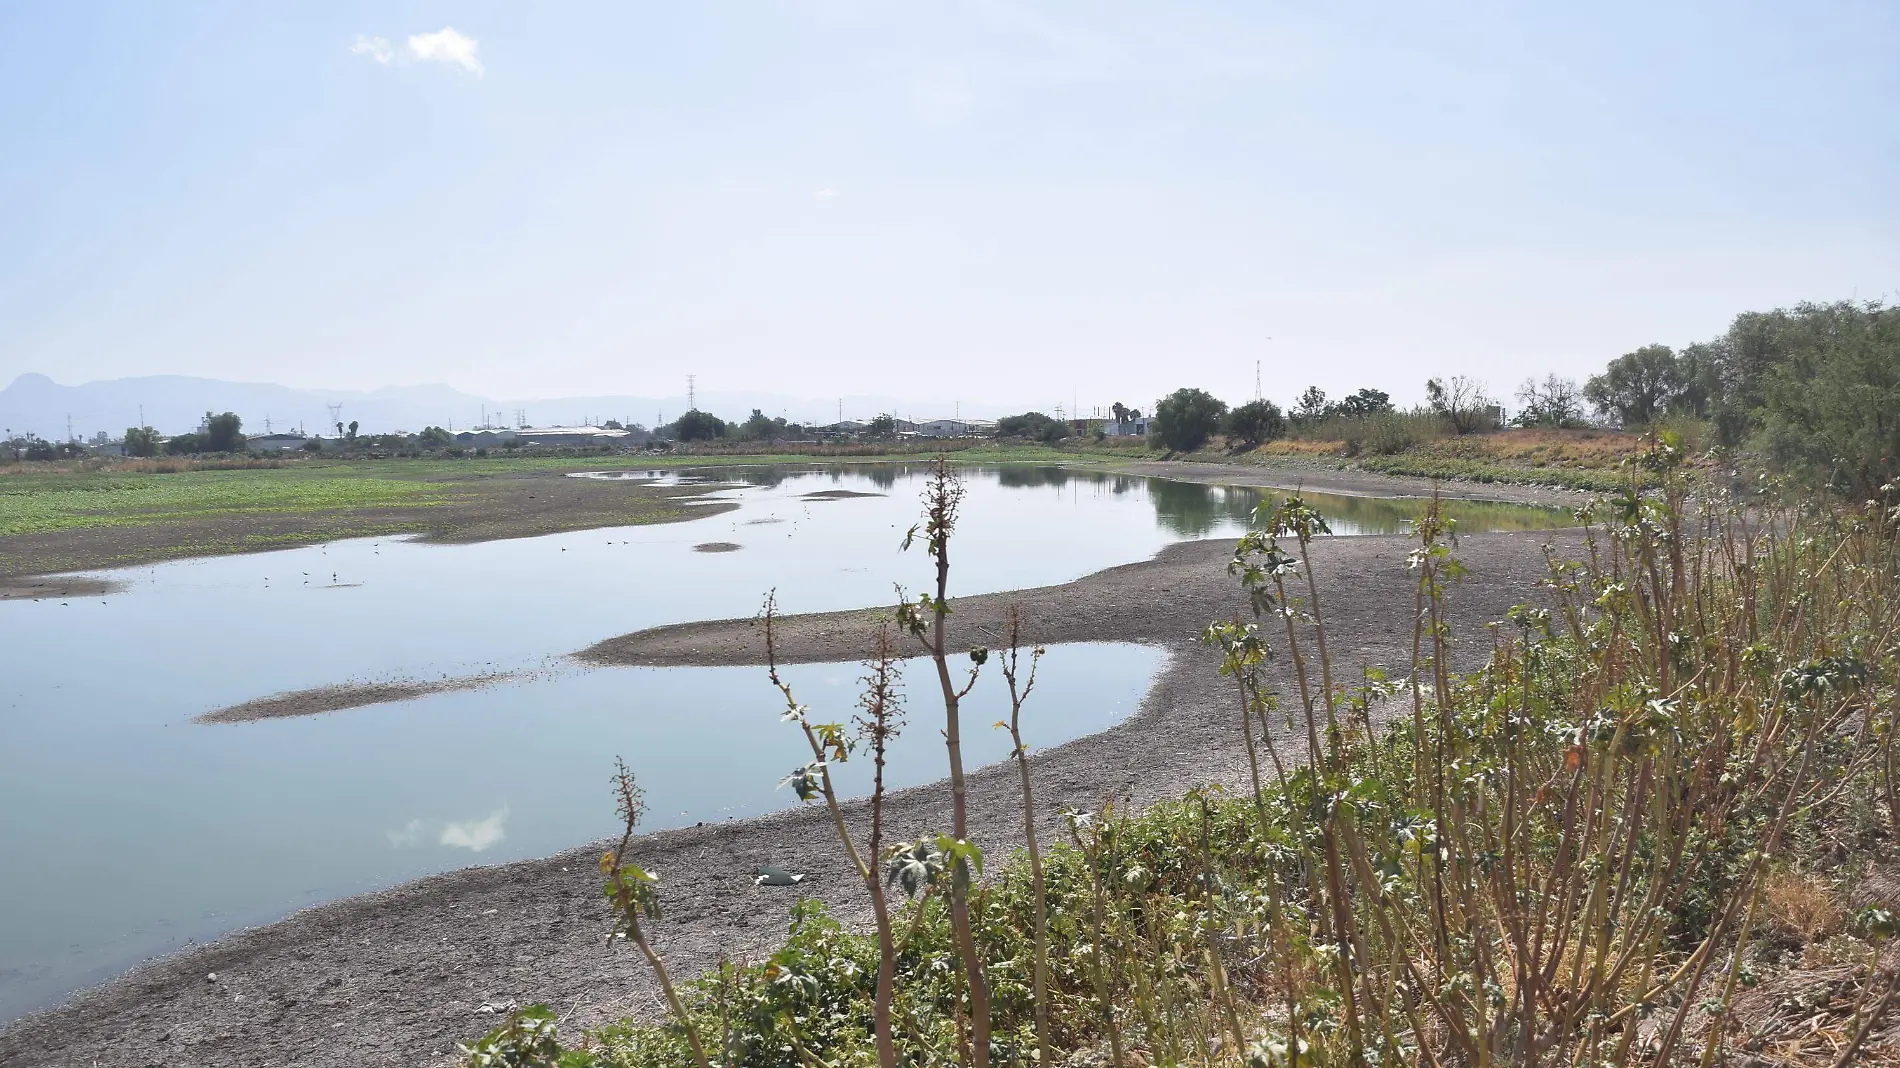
[1193, 510]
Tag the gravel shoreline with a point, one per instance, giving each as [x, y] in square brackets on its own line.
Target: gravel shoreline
[398, 977]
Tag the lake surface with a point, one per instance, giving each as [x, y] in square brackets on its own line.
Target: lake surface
[130, 831]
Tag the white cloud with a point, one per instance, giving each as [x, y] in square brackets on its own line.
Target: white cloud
[826, 193]
[476, 835]
[376, 48]
[447, 46]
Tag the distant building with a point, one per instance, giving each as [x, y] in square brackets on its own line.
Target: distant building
[568, 435]
[1131, 428]
[485, 437]
[956, 428]
[275, 442]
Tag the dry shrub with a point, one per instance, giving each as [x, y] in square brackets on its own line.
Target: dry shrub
[1803, 904]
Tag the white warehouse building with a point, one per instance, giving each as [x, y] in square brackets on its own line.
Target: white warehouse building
[956, 428]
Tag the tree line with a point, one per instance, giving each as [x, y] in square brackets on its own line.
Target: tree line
[1814, 388]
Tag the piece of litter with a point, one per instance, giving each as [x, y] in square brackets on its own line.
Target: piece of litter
[770, 876]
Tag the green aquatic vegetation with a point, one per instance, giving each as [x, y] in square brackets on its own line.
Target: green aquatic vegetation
[41, 504]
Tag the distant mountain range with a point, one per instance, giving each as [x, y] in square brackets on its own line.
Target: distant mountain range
[174, 404]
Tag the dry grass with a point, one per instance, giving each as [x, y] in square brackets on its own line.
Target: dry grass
[1803, 904]
[1535, 448]
[1587, 449]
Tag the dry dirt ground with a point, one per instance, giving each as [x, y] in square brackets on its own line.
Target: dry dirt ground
[398, 977]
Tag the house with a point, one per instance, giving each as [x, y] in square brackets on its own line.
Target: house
[956, 428]
[275, 442]
[1131, 428]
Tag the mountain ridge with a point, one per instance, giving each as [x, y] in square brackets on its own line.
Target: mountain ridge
[34, 403]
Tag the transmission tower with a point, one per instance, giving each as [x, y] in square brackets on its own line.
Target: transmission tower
[336, 416]
[692, 397]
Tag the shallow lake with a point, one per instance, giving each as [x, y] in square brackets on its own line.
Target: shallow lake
[129, 830]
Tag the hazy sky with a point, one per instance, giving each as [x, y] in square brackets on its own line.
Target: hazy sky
[992, 201]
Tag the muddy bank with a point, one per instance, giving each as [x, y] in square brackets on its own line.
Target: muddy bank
[396, 978]
[48, 587]
[323, 699]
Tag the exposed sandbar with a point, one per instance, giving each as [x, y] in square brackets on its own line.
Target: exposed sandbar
[315, 702]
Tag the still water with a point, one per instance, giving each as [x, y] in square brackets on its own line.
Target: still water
[128, 830]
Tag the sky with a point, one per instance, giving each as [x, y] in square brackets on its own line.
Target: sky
[998, 201]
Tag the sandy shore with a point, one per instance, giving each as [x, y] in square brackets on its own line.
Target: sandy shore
[398, 977]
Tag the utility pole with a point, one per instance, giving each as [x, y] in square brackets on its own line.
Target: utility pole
[141, 415]
[69, 427]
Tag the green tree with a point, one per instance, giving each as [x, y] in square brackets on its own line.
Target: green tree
[1637, 388]
[141, 441]
[353, 425]
[1553, 403]
[759, 427]
[1365, 402]
[223, 433]
[1032, 426]
[696, 425]
[1255, 422]
[883, 426]
[434, 438]
[1831, 402]
[1311, 406]
[1187, 417]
